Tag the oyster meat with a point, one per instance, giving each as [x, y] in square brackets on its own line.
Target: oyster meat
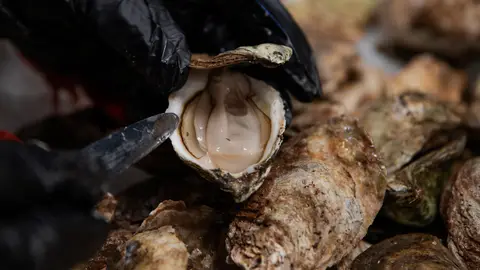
[325, 189]
[417, 138]
[231, 124]
[409, 252]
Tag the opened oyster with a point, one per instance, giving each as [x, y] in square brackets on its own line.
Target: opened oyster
[231, 124]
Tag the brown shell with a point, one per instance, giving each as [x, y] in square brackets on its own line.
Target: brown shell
[347, 261]
[110, 253]
[449, 28]
[201, 229]
[317, 112]
[323, 192]
[407, 252]
[413, 192]
[417, 138]
[240, 187]
[107, 206]
[157, 250]
[346, 79]
[402, 126]
[428, 75]
[268, 55]
[463, 214]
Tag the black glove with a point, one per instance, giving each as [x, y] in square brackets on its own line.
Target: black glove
[138, 51]
[124, 51]
[47, 219]
[214, 26]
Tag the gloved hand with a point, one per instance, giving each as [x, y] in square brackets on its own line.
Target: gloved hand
[48, 197]
[137, 52]
[47, 220]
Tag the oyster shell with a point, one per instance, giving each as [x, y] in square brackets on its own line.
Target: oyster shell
[409, 252]
[231, 124]
[311, 114]
[413, 135]
[445, 27]
[159, 250]
[200, 228]
[325, 188]
[428, 75]
[462, 213]
[346, 263]
[109, 254]
[413, 192]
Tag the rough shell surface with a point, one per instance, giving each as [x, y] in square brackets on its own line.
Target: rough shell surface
[463, 214]
[417, 157]
[324, 191]
[413, 192]
[268, 55]
[416, 115]
[200, 228]
[311, 114]
[407, 252]
[157, 250]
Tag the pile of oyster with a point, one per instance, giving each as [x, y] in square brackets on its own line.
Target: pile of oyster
[381, 172]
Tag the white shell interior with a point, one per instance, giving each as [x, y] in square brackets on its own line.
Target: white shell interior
[229, 121]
